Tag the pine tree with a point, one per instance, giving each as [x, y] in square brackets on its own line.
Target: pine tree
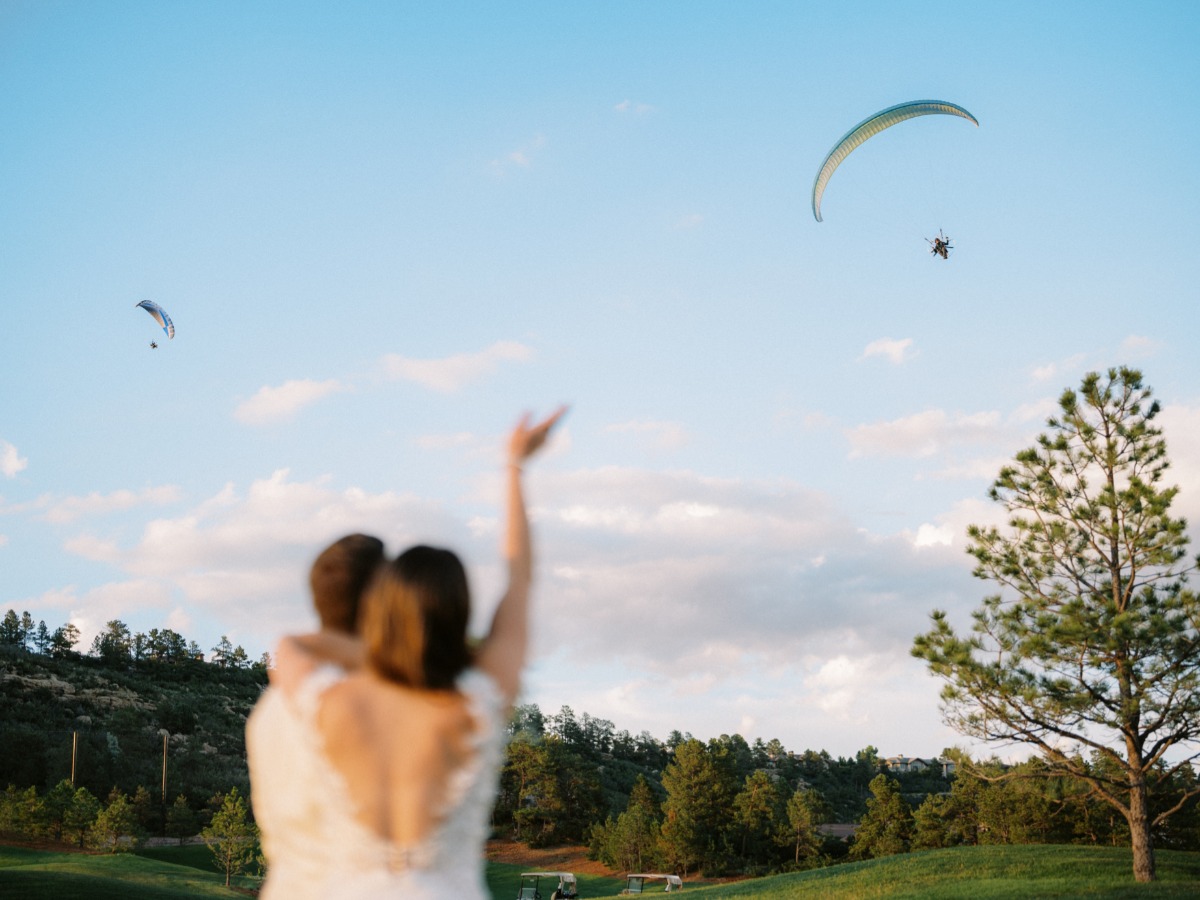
[182, 821]
[806, 810]
[1093, 646]
[115, 827]
[700, 787]
[887, 827]
[232, 837]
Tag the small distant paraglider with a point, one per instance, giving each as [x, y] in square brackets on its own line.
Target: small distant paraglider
[940, 245]
[161, 317]
[870, 127]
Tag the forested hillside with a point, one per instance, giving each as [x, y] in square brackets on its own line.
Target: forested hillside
[107, 713]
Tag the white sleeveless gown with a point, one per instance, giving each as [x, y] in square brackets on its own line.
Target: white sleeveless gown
[316, 848]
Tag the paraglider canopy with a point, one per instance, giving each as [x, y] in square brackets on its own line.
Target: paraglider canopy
[160, 316]
[870, 127]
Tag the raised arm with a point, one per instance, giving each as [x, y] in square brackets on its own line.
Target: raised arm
[503, 652]
[296, 656]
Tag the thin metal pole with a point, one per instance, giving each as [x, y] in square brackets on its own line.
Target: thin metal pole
[164, 786]
[74, 749]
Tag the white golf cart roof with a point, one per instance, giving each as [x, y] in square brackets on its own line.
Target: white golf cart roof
[561, 876]
[674, 882]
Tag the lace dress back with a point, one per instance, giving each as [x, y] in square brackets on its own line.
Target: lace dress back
[288, 818]
[449, 860]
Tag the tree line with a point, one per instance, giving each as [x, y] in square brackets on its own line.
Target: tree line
[74, 815]
[116, 645]
[730, 807]
[722, 806]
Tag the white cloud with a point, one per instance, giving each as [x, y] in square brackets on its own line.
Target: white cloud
[1180, 425]
[637, 109]
[894, 351]
[451, 373]
[925, 434]
[3, 539]
[69, 509]
[659, 435]
[277, 404]
[241, 559]
[688, 222]
[675, 572]
[1062, 369]
[10, 462]
[745, 604]
[90, 610]
[1138, 347]
[521, 158]
[1038, 411]
[933, 536]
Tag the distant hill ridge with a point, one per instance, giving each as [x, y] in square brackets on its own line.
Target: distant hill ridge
[112, 720]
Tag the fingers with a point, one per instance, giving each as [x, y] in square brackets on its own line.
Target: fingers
[527, 439]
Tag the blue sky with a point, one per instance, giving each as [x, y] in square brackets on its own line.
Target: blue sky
[384, 230]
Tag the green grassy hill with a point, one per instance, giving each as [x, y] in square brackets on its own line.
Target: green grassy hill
[978, 873]
[47, 875]
[981, 873]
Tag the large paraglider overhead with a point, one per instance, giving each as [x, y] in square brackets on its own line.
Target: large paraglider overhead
[160, 316]
[870, 127]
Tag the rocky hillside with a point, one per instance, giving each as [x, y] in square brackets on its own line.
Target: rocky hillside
[113, 720]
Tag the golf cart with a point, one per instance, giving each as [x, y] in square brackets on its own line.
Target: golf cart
[566, 890]
[637, 884]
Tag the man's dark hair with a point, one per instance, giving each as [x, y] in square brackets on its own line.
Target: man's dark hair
[339, 576]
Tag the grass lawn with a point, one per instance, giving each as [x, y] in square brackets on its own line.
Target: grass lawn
[503, 879]
[977, 873]
[197, 856]
[983, 873]
[47, 875]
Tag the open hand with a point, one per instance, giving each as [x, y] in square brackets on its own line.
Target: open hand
[526, 439]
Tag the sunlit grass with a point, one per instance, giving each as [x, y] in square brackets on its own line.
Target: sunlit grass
[977, 873]
[503, 879]
[983, 873]
[46, 875]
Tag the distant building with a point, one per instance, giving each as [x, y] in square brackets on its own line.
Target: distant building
[917, 764]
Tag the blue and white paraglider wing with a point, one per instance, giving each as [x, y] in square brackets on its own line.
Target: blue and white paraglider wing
[160, 316]
[870, 127]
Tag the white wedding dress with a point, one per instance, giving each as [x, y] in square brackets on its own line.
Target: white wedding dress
[316, 848]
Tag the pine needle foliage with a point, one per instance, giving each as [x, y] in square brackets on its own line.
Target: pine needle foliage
[1091, 652]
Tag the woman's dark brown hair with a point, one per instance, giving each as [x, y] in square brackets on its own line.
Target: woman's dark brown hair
[414, 619]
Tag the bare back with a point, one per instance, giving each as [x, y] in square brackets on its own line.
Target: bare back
[397, 750]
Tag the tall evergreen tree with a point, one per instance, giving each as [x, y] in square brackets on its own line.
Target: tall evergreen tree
[758, 816]
[1093, 644]
[887, 828]
[10, 629]
[41, 638]
[633, 843]
[700, 785]
[806, 810]
[63, 641]
[114, 645]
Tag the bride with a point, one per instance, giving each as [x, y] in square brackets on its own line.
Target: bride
[403, 736]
